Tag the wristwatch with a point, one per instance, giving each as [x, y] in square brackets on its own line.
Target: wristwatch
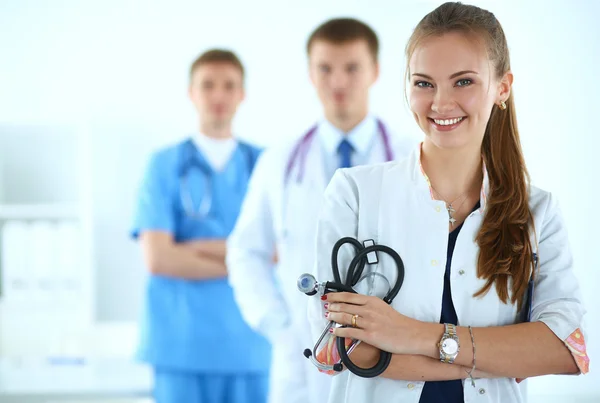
[449, 345]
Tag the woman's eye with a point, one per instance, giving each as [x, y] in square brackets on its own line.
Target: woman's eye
[423, 84]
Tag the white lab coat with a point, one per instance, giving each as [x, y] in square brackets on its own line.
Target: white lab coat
[391, 203]
[283, 217]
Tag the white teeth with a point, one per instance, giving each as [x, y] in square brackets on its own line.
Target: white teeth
[447, 122]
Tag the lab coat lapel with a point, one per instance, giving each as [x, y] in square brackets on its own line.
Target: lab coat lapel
[314, 175]
[303, 198]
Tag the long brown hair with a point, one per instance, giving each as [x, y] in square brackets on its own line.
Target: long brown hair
[505, 250]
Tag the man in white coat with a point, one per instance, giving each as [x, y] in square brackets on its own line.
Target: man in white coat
[279, 214]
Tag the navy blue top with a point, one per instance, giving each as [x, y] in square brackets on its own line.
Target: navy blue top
[446, 391]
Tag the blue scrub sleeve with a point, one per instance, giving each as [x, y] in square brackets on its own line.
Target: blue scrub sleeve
[154, 210]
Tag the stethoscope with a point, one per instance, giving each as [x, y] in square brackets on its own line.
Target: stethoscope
[308, 285]
[528, 305]
[366, 254]
[302, 148]
[191, 159]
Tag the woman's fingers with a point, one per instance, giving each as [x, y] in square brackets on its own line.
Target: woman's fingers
[347, 308]
[348, 332]
[347, 297]
[346, 319]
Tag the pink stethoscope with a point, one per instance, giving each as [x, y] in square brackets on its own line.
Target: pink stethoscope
[303, 147]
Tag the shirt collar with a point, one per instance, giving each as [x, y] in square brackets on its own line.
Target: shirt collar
[423, 182]
[360, 136]
[203, 142]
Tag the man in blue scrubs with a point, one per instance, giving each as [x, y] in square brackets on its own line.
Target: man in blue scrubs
[193, 334]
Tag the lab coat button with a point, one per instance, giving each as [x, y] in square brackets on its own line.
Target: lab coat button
[461, 272]
[482, 391]
[410, 386]
[438, 209]
[434, 262]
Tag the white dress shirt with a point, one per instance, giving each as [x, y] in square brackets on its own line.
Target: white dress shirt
[363, 138]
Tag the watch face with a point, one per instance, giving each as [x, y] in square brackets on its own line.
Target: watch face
[450, 346]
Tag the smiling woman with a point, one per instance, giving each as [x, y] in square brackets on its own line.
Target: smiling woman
[443, 100]
[507, 304]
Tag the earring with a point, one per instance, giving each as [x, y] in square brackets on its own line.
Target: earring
[502, 106]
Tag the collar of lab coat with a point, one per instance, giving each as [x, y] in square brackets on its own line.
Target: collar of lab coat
[361, 136]
[422, 180]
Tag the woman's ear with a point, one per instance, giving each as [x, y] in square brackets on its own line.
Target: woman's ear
[504, 87]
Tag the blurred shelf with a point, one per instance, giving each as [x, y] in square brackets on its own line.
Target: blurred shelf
[97, 379]
[39, 211]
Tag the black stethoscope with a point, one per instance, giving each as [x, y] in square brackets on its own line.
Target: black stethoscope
[308, 285]
[366, 254]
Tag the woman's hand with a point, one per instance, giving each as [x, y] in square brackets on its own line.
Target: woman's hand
[377, 323]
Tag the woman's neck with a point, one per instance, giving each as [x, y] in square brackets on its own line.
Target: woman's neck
[453, 173]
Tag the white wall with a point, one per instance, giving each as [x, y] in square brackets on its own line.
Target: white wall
[122, 66]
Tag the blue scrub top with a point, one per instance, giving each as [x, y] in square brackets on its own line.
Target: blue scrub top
[195, 324]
